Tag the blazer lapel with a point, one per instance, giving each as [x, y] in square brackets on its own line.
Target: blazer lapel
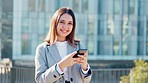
[70, 49]
[54, 52]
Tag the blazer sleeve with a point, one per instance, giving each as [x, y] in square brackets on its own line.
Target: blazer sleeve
[86, 77]
[43, 73]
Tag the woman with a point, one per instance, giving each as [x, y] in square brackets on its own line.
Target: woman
[54, 62]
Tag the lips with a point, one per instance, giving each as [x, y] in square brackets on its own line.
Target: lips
[64, 31]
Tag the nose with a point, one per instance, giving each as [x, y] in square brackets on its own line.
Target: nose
[65, 26]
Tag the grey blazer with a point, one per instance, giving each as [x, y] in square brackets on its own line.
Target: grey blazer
[46, 59]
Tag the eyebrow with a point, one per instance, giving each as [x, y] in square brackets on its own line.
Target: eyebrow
[64, 20]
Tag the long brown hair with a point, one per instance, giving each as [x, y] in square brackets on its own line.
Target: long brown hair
[51, 37]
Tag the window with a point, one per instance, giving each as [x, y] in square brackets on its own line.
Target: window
[131, 7]
[65, 3]
[100, 7]
[82, 28]
[110, 26]
[31, 5]
[134, 28]
[75, 5]
[147, 28]
[147, 36]
[91, 37]
[25, 38]
[84, 6]
[125, 35]
[26, 44]
[116, 47]
[41, 5]
[117, 7]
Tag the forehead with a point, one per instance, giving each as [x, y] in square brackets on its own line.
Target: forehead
[66, 17]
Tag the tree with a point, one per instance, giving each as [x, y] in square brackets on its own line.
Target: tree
[138, 74]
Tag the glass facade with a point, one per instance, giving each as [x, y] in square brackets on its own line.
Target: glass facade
[110, 29]
[6, 23]
[0, 28]
[121, 29]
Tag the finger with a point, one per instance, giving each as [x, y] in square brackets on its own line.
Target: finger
[81, 61]
[76, 60]
[82, 57]
[86, 53]
[74, 53]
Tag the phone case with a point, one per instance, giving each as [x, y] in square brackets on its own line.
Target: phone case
[80, 52]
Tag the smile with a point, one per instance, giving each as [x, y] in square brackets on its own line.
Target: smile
[64, 31]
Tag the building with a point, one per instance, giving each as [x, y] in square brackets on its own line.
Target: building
[114, 31]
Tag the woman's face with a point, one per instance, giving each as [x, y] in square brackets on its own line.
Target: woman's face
[64, 27]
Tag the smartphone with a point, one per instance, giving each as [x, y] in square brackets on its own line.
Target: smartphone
[80, 52]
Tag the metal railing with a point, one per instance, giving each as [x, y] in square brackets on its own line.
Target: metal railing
[5, 75]
[26, 75]
[16, 75]
[108, 75]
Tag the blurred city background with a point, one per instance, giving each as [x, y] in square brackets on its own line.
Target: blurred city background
[114, 31]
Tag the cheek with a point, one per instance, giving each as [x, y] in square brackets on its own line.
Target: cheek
[71, 29]
[58, 30]
[58, 27]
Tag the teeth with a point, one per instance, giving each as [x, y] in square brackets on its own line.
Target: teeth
[63, 31]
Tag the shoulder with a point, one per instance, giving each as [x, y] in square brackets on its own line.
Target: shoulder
[79, 44]
[76, 42]
[43, 45]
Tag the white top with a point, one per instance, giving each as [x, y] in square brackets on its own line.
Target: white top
[62, 48]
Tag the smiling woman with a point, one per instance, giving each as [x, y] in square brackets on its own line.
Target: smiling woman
[54, 62]
[62, 17]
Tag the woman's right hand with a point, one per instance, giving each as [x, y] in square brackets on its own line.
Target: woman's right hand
[68, 61]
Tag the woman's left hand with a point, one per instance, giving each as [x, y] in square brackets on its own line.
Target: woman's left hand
[83, 61]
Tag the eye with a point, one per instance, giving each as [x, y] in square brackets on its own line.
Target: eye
[70, 23]
[61, 22]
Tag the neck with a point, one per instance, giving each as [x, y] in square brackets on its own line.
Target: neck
[61, 40]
